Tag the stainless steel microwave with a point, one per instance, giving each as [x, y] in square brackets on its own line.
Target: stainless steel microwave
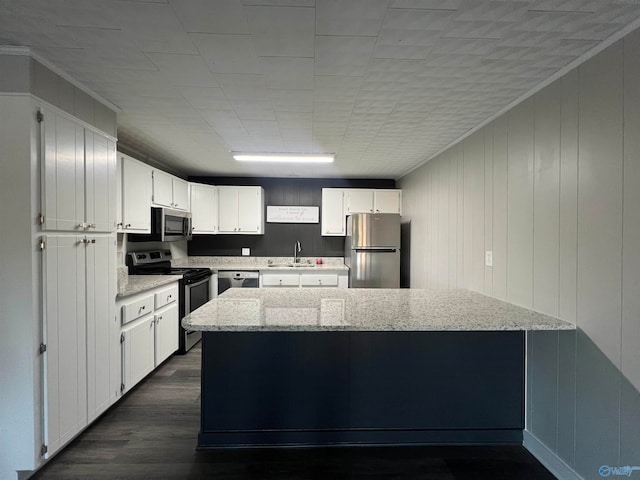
[167, 225]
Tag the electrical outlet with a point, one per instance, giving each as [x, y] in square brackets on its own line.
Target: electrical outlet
[488, 258]
[246, 252]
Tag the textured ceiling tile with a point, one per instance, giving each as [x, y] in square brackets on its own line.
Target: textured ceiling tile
[355, 17]
[282, 31]
[152, 27]
[288, 72]
[228, 53]
[183, 70]
[205, 16]
[281, 3]
[343, 55]
[254, 110]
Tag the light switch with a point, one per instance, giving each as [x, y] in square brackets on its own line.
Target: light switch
[246, 252]
[488, 258]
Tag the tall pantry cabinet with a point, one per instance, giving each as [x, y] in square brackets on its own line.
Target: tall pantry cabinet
[80, 349]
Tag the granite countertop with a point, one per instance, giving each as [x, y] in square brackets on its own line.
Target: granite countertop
[139, 283]
[262, 264]
[333, 309]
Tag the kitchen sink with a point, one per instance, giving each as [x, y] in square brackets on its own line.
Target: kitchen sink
[281, 265]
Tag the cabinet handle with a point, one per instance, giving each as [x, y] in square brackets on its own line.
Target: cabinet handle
[128, 225]
[239, 228]
[93, 240]
[92, 225]
[119, 224]
[158, 319]
[169, 297]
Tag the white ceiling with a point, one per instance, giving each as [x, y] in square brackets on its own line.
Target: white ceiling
[384, 84]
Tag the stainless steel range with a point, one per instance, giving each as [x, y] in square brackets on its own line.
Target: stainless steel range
[194, 286]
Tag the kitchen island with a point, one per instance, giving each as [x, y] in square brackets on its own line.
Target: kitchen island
[362, 366]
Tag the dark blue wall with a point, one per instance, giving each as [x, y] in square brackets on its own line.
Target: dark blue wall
[279, 238]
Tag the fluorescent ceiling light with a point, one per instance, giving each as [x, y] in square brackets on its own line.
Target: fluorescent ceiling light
[285, 157]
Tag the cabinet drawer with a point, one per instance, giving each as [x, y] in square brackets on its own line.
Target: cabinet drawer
[137, 309]
[319, 280]
[283, 280]
[165, 297]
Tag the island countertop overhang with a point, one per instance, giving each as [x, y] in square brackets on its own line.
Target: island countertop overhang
[384, 310]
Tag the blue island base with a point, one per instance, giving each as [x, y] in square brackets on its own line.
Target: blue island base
[361, 388]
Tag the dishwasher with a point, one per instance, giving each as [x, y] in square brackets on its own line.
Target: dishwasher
[237, 279]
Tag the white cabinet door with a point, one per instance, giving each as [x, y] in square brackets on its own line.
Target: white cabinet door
[227, 209]
[63, 173]
[387, 201]
[100, 182]
[136, 196]
[64, 332]
[204, 208]
[166, 340]
[358, 201]
[162, 189]
[103, 329]
[180, 194]
[137, 351]
[280, 280]
[333, 217]
[250, 210]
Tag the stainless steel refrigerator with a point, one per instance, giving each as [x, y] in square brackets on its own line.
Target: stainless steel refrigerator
[372, 250]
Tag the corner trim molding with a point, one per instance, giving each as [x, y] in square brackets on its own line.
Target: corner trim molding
[549, 459]
[28, 52]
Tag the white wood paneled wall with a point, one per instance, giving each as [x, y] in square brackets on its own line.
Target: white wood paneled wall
[552, 188]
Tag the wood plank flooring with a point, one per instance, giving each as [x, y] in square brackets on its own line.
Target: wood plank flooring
[151, 434]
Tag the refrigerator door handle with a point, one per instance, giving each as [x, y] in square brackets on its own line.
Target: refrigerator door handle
[375, 249]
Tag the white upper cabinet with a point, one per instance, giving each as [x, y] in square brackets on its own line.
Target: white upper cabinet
[204, 208]
[241, 210]
[170, 191]
[333, 216]
[372, 201]
[162, 189]
[387, 201]
[79, 176]
[100, 180]
[63, 185]
[358, 201]
[180, 194]
[136, 195]
[337, 203]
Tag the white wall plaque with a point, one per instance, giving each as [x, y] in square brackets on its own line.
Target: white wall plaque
[292, 214]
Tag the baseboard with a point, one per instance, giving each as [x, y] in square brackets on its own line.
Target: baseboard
[546, 457]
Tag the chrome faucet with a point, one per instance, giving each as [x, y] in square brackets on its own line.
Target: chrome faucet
[296, 251]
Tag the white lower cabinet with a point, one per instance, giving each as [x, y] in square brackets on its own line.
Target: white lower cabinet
[80, 333]
[319, 280]
[295, 280]
[137, 351]
[280, 280]
[166, 333]
[150, 324]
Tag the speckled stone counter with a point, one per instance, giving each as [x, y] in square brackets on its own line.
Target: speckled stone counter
[320, 309]
[264, 264]
[139, 283]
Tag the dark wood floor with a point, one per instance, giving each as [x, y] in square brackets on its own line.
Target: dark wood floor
[151, 434]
